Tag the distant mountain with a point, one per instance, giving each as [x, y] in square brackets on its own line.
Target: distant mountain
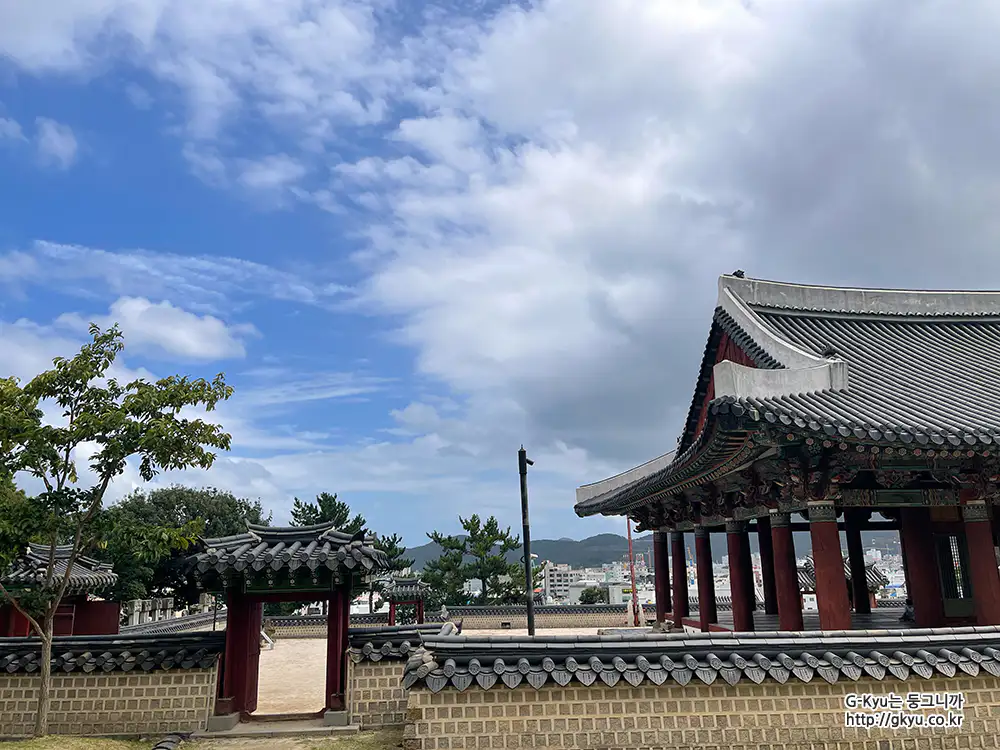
[594, 551]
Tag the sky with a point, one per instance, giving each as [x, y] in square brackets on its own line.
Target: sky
[417, 235]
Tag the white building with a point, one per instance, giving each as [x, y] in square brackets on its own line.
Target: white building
[557, 578]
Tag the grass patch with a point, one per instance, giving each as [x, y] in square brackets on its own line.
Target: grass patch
[59, 742]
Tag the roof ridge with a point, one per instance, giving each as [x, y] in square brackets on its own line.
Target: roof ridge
[874, 300]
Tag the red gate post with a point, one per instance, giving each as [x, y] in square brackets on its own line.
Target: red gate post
[336, 633]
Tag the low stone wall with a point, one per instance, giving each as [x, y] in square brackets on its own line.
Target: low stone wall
[112, 685]
[376, 698]
[703, 691]
[792, 716]
[546, 617]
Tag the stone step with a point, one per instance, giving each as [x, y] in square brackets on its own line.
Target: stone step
[290, 728]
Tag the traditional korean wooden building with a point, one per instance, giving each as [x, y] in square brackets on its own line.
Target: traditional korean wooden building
[273, 564]
[81, 612]
[406, 591]
[849, 408]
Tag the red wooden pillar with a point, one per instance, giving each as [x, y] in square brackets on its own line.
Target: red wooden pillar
[786, 576]
[336, 648]
[678, 560]
[238, 657]
[739, 581]
[420, 612]
[707, 612]
[766, 547]
[856, 556]
[924, 581]
[982, 563]
[392, 613]
[831, 583]
[661, 575]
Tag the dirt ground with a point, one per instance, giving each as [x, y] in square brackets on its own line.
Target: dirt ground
[292, 676]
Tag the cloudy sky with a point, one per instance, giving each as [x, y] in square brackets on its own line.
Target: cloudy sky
[414, 235]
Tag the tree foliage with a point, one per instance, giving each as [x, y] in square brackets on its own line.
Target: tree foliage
[478, 555]
[326, 509]
[211, 511]
[394, 551]
[107, 422]
[594, 595]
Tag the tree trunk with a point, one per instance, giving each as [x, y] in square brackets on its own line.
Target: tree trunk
[371, 601]
[45, 680]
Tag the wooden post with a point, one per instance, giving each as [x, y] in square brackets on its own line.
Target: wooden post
[420, 612]
[831, 583]
[856, 556]
[661, 575]
[982, 563]
[786, 576]
[238, 657]
[924, 581]
[738, 579]
[678, 562]
[392, 613]
[336, 632]
[707, 612]
[766, 547]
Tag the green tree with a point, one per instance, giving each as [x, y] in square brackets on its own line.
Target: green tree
[478, 555]
[109, 421]
[446, 574]
[219, 513]
[394, 551]
[594, 595]
[326, 509]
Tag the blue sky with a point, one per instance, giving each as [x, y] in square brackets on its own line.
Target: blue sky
[415, 236]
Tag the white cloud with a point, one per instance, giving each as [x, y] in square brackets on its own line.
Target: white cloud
[11, 130]
[165, 329]
[206, 283]
[139, 97]
[56, 143]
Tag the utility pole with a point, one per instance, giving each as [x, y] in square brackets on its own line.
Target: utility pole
[523, 462]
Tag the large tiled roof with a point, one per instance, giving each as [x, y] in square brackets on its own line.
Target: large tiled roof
[461, 662]
[914, 369]
[87, 574]
[114, 653]
[268, 551]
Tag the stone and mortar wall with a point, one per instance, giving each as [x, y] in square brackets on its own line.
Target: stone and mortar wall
[376, 698]
[474, 618]
[129, 703]
[549, 617]
[791, 716]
